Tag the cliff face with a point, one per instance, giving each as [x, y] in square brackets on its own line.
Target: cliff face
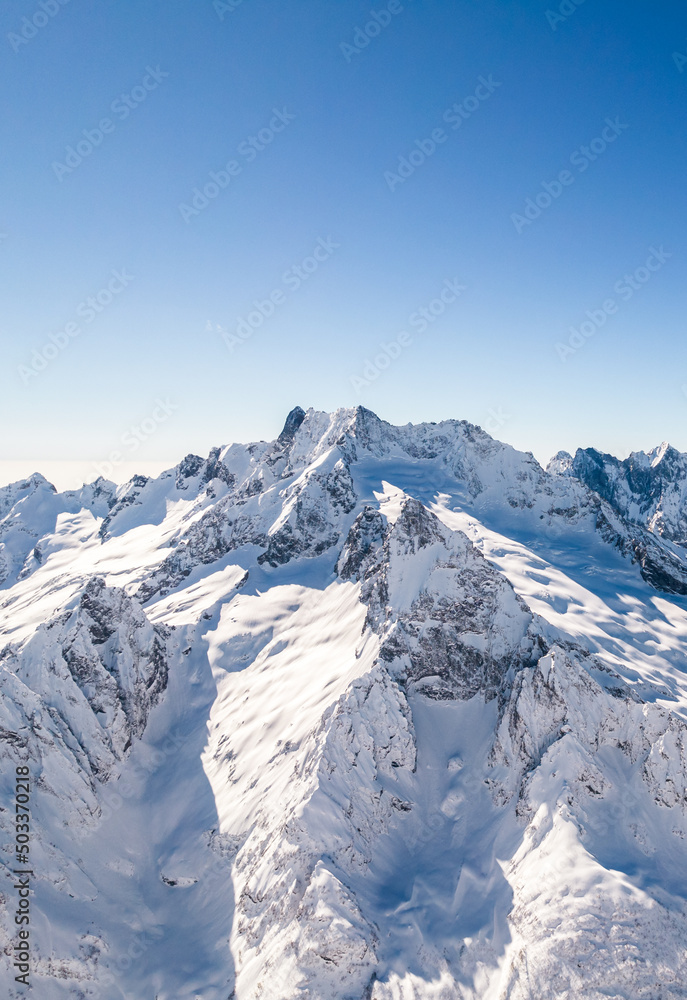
[649, 488]
[364, 713]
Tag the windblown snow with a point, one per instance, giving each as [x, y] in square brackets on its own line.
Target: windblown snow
[363, 713]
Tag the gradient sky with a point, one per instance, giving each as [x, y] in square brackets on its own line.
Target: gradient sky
[491, 357]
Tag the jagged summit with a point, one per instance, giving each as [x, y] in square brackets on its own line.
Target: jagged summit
[648, 488]
[291, 425]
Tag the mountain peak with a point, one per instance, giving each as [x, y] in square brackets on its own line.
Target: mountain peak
[658, 453]
[560, 464]
[291, 425]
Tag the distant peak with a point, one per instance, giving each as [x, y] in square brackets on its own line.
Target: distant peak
[658, 453]
[561, 464]
[34, 481]
[293, 422]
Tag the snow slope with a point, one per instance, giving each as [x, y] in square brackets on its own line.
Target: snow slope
[363, 713]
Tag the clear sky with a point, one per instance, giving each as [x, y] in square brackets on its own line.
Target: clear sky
[365, 165]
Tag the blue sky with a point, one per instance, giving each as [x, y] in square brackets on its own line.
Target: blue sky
[309, 114]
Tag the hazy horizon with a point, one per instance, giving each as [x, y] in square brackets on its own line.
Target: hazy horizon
[68, 474]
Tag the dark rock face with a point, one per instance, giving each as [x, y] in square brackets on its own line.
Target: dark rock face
[98, 671]
[293, 422]
[434, 648]
[592, 468]
[465, 632]
[214, 468]
[649, 489]
[660, 567]
[364, 539]
[188, 468]
[116, 655]
[220, 530]
[98, 612]
[666, 574]
[312, 525]
[418, 527]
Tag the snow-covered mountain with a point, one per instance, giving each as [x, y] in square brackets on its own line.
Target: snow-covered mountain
[648, 488]
[362, 713]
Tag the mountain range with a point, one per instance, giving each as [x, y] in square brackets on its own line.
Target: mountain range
[365, 712]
